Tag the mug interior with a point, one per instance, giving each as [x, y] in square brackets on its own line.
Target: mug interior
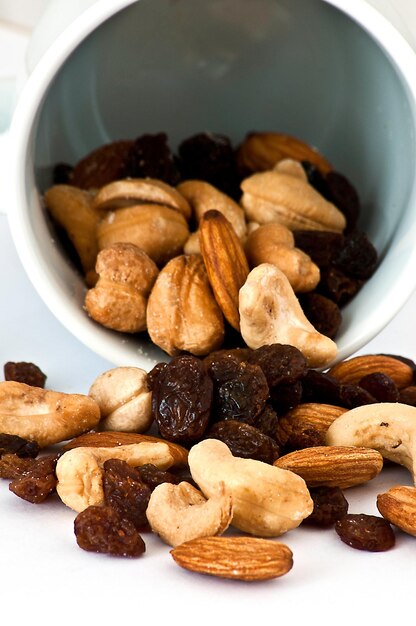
[301, 67]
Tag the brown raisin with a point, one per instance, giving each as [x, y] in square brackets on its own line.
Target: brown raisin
[39, 482]
[152, 476]
[329, 505]
[103, 165]
[352, 396]
[154, 373]
[267, 421]
[245, 441]
[321, 246]
[12, 444]
[306, 437]
[323, 313]
[408, 395]
[62, 174]
[280, 363]
[285, 397]
[341, 192]
[380, 386]
[101, 529]
[151, 157]
[320, 387]
[365, 532]
[315, 178]
[23, 372]
[125, 492]
[182, 399]
[337, 286]
[12, 466]
[357, 258]
[235, 354]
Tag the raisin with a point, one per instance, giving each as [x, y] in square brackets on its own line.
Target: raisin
[267, 421]
[321, 246]
[281, 364]
[154, 374]
[329, 505]
[315, 178]
[408, 395]
[283, 398]
[341, 192]
[62, 174]
[39, 482]
[151, 157]
[352, 396]
[210, 157]
[152, 476]
[380, 386]
[320, 387]
[337, 286]
[324, 314]
[357, 258]
[27, 373]
[12, 444]
[241, 391]
[101, 529]
[125, 492]
[236, 354]
[103, 165]
[306, 437]
[13, 466]
[365, 532]
[182, 398]
[245, 441]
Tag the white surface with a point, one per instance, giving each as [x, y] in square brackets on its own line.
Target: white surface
[44, 573]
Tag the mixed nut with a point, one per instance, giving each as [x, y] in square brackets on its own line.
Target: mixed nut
[249, 439]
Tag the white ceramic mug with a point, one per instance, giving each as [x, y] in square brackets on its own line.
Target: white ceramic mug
[335, 73]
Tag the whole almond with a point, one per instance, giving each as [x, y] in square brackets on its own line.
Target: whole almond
[398, 506]
[225, 262]
[333, 466]
[353, 370]
[240, 558]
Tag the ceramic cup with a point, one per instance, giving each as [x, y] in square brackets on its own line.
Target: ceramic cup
[334, 73]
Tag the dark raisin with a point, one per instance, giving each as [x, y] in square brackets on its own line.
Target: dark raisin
[125, 492]
[380, 386]
[12, 466]
[352, 396]
[329, 505]
[101, 529]
[324, 314]
[267, 421]
[245, 441]
[337, 286]
[281, 364]
[343, 194]
[103, 165]
[408, 395]
[365, 532]
[62, 174]
[321, 246]
[12, 444]
[283, 398]
[305, 437]
[320, 387]
[210, 157]
[357, 258]
[182, 398]
[39, 482]
[27, 373]
[315, 178]
[154, 373]
[152, 476]
[235, 355]
[151, 157]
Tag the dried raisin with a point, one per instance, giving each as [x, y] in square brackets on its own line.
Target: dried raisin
[245, 441]
[38, 483]
[329, 505]
[150, 156]
[23, 372]
[12, 444]
[340, 191]
[12, 466]
[324, 314]
[280, 363]
[152, 476]
[103, 165]
[357, 258]
[125, 492]
[365, 532]
[380, 386]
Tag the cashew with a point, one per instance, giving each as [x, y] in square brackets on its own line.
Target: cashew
[267, 500]
[271, 313]
[292, 167]
[79, 470]
[179, 513]
[124, 399]
[47, 417]
[388, 427]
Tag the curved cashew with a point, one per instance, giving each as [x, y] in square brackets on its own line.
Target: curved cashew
[388, 427]
[267, 500]
[271, 313]
[124, 399]
[47, 417]
[179, 513]
[80, 476]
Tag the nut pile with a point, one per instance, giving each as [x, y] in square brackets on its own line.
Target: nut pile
[249, 439]
[214, 246]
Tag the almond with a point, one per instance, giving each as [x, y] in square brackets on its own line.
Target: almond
[225, 262]
[109, 439]
[333, 466]
[240, 558]
[398, 506]
[353, 370]
[261, 151]
[309, 415]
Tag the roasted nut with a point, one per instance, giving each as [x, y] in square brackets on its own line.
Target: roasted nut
[274, 243]
[275, 196]
[47, 417]
[239, 558]
[333, 466]
[204, 197]
[270, 313]
[354, 369]
[225, 262]
[79, 471]
[267, 501]
[158, 230]
[398, 506]
[119, 298]
[72, 209]
[179, 513]
[182, 313]
[261, 151]
[389, 427]
[124, 399]
[133, 191]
